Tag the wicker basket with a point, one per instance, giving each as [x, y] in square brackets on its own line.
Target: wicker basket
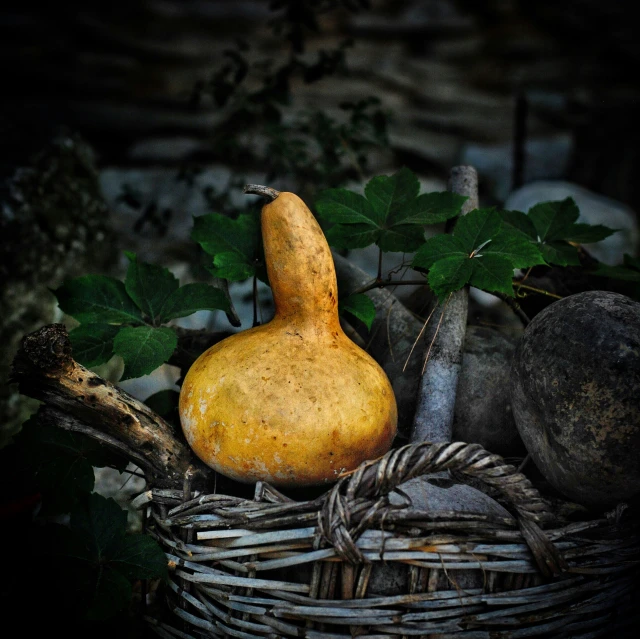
[277, 567]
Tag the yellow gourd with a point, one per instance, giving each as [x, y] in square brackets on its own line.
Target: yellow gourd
[294, 401]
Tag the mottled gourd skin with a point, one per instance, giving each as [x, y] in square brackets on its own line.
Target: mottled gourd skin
[293, 402]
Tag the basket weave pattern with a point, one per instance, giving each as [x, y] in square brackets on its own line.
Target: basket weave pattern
[352, 563]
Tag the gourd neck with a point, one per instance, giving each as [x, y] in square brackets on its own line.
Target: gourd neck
[299, 264]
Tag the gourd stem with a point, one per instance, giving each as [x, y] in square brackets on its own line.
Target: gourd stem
[265, 191]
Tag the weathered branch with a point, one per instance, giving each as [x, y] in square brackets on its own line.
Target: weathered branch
[79, 400]
[433, 420]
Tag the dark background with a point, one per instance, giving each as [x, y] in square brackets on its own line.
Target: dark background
[449, 71]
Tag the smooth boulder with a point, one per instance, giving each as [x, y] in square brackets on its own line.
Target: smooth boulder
[575, 396]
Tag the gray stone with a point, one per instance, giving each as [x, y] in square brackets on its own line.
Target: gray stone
[435, 496]
[483, 402]
[574, 393]
[441, 495]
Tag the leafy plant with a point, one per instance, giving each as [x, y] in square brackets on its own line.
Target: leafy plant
[482, 252]
[99, 560]
[628, 271]
[234, 244]
[484, 248]
[83, 562]
[125, 318]
[552, 227]
[391, 214]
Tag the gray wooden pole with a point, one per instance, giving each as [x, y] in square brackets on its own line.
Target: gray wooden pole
[433, 419]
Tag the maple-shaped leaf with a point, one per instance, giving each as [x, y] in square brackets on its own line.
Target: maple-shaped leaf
[104, 559]
[628, 271]
[390, 214]
[552, 227]
[62, 463]
[144, 348]
[482, 251]
[149, 285]
[234, 244]
[92, 344]
[360, 306]
[97, 299]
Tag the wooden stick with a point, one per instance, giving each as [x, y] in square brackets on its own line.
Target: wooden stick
[433, 420]
[79, 400]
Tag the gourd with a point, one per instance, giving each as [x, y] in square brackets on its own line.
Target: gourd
[294, 401]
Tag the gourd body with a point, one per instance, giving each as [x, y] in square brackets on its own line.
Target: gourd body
[294, 401]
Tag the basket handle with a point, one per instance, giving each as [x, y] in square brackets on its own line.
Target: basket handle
[375, 479]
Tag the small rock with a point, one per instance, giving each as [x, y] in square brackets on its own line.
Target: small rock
[574, 393]
[483, 402]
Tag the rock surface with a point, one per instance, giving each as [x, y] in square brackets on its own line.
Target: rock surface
[575, 389]
[483, 402]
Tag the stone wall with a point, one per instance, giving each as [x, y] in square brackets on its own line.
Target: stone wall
[448, 71]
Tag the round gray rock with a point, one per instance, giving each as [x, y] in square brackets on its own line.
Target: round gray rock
[575, 396]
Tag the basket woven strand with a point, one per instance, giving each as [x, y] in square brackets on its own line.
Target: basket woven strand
[276, 567]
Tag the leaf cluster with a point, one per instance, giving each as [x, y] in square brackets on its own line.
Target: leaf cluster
[125, 318]
[86, 569]
[391, 214]
[484, 249]
[260, 125]
[553, 228]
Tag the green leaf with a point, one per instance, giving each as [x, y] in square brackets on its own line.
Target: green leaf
[628, 271]
[108, 558]
[62, 463]
[406, 238]
[588, 234]
[144, 348]
[111, 594]
[390, 196]
[139, 557]
[493, 273]
[449, 274]
[391, 216]
[92, 344]
[477, 227]
[552, 220]
[191, 298]
[360, 306]
[430, 208]
[352, 236]
[560, 253]
[519, 221]
[220, 234]
[232, 267]
[62, 472]
[340, 206]
[149, 285]
[515, 247]
[99, 527]
[97, 299]
[437, 248]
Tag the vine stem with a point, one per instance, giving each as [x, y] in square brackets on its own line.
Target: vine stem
[541, 291]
